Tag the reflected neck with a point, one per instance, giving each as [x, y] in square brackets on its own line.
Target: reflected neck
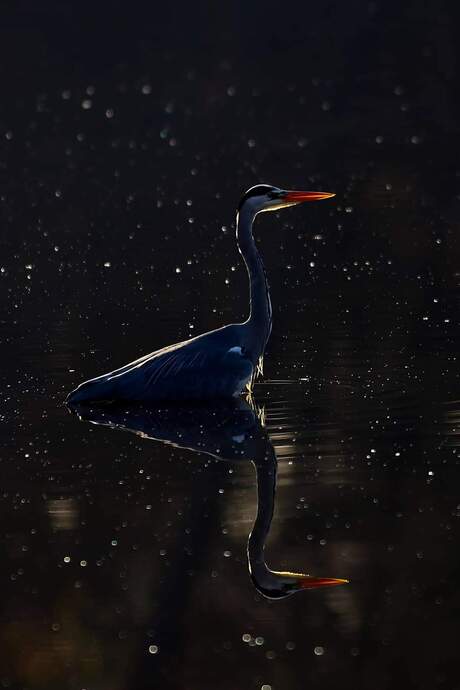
[272, 583]
[266, 487]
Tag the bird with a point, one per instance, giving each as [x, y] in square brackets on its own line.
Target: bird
[229, 431]
[221, 363]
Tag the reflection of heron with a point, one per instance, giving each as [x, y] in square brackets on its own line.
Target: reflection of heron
[227, 430]
[218, 364]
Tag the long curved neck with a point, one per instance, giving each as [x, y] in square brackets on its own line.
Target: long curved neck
[260, 314]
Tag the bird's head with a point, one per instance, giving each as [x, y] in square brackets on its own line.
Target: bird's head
[264, 197]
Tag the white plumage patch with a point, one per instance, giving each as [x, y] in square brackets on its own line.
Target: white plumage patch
[239, 439]
[237, 350]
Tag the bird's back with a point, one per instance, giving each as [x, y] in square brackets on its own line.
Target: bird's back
[213, 365]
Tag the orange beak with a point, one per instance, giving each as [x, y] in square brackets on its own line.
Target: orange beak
[314, 582]
[299, 197]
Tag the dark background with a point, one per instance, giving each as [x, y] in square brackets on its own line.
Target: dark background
[358, 98]
[128, 132]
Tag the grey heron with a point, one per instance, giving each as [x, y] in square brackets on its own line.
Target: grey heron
[221, 363]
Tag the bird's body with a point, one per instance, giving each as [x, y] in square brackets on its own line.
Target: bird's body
[212, 365]
[217, 364]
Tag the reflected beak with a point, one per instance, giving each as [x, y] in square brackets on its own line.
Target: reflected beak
[315, 582]
[292, 197]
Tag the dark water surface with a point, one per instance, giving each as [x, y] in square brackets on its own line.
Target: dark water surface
[126, 138]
